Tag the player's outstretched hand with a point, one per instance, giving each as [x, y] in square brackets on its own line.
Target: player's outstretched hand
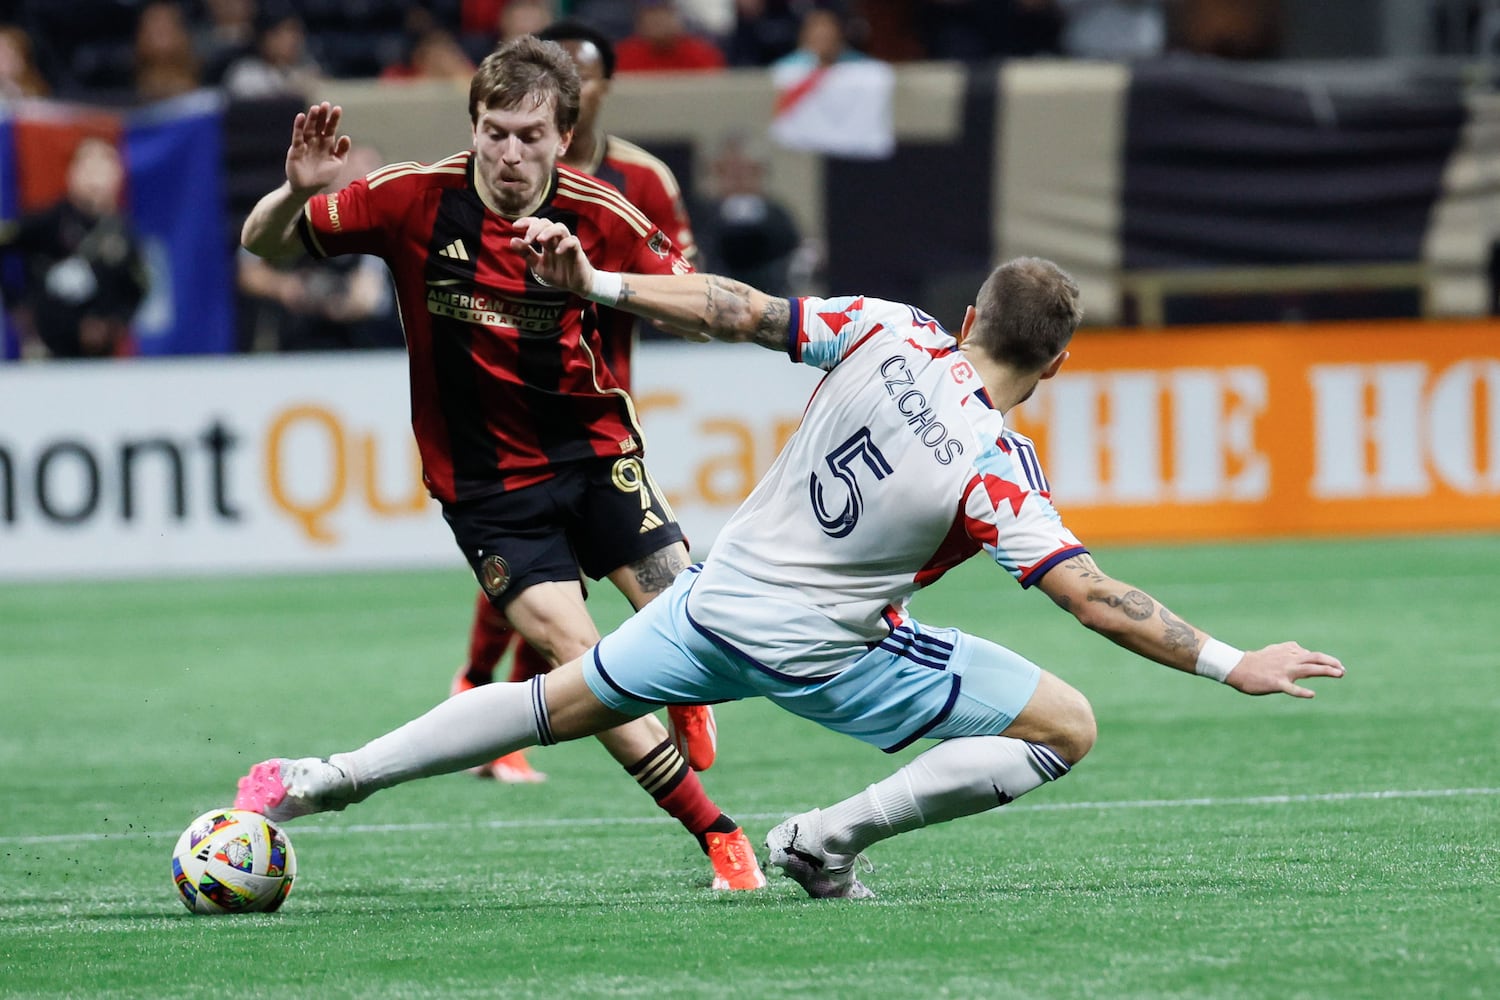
[553, 253]
[1277, 669]
[317, 154]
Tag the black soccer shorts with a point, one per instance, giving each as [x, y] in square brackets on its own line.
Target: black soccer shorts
[594, 516]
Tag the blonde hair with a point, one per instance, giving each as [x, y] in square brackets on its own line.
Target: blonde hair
[527, 68]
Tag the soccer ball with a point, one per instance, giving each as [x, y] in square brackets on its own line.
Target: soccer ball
[233, 861]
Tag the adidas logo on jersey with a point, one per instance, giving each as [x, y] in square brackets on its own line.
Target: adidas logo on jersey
[456, 250]
[650, 522]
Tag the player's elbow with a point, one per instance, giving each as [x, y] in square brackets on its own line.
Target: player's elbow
[257, 244]
[1095, 614]
[267, 244]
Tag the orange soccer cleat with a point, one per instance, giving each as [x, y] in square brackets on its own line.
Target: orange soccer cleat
[694, 734]
[734, 861]
[513, 769]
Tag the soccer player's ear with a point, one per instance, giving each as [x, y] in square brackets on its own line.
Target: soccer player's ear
[967, 325]
[1054, 365]
[563, 142]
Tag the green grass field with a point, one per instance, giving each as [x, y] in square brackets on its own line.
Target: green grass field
[1212, 845]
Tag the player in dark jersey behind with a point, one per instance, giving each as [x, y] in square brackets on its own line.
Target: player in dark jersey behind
[648, 184]
[526, 437]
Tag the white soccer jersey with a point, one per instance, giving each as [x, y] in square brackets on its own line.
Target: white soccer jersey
[900, 470]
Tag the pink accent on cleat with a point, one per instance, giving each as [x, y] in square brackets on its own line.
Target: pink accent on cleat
[261, 790]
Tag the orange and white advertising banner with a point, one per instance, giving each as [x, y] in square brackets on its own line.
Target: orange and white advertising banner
[306, 462]
[1276, 430]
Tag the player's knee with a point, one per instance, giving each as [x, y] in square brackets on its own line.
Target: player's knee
[1076, 728]
[573, 710]
[1059, 716]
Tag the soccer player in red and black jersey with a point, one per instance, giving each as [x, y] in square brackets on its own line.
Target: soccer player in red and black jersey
[526, 437]
[648, 184]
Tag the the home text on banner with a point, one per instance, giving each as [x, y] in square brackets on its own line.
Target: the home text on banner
[1284, 430]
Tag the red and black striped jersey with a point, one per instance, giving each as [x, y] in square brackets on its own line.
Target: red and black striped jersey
[649, 185]
[507, 374]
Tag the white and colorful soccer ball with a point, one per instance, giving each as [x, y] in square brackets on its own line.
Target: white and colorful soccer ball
[233, 861]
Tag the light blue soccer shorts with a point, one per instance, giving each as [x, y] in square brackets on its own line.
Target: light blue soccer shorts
[920, 682]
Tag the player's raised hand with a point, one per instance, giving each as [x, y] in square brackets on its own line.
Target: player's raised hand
[553, 253]
[1277, 669]
[317, 153]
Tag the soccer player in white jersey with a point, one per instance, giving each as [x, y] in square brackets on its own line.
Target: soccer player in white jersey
[901, 469]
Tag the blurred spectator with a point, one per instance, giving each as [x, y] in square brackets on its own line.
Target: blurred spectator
[19, 75]
[226, 32]
[523, 17]
[85, 275]
[661, 42]
[280, 62]
[1114, 29]
[485, 24]
[479, 17]
[435, 55]
[743, 232]
[320, 305]
[821, 41]
[165, 63]
[764, 30]
[831, 98]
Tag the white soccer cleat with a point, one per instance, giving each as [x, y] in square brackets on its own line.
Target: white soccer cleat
[796, 848]
[281, 789]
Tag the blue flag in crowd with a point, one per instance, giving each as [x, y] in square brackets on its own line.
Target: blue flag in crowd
[174, 163]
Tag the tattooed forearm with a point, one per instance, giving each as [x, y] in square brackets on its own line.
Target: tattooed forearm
[709, 304]
[656, 572]
[1136, 605]
[771, 331]
[726, 308]
[1179, 635]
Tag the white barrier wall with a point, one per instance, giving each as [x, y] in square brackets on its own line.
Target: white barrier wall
[307, 462]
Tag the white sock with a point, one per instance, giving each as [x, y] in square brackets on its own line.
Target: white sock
[468, 729]
[958, 777]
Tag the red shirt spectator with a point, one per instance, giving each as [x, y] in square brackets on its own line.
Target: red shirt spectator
[661, 43]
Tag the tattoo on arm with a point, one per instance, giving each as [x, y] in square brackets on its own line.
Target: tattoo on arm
[726, 308]
[626, 292]
[771, 330]
[656, 572]
[1136, 605]
[1085, 567]
[1179, 634]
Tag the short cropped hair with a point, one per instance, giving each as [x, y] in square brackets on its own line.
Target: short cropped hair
[527, 68]
[577, 31]
[1027, 311]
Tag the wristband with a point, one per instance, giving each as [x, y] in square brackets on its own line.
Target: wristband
[1217, 659]
[605, 288]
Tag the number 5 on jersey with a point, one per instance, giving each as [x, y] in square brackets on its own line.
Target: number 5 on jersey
[841, 462]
